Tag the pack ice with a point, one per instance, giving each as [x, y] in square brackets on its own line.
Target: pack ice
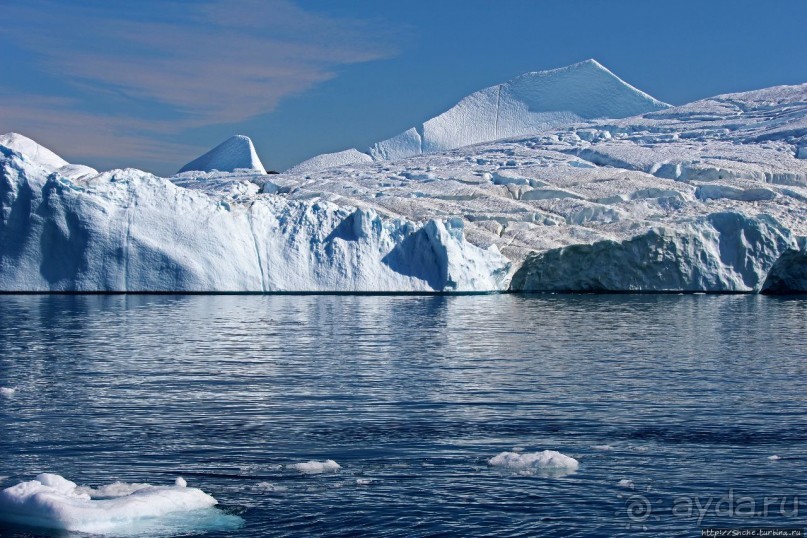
[709, 196]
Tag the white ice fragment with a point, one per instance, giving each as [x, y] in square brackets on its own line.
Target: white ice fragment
[268, 487]
[316, 467]
[774, 457]
[625, 483]
[363, 481]
[180, 482]
[51, 501]
[548, 462]
[602, 447]
[7, 392]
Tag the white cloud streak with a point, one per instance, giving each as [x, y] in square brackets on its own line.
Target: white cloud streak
[201, 64]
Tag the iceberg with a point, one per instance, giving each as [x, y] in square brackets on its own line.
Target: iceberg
[53, 502]
[705, 197]
[237, 152]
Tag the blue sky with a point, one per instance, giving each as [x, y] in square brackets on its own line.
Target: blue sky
[153, 84]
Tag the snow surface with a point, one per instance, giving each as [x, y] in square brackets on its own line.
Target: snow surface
[527, 104]
[704, 197]
[316, 467]
[237, 152]
[36, 153]
[54, 502]
[329, 160]
[542, 463]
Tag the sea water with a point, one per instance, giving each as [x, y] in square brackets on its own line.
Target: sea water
[343, 415]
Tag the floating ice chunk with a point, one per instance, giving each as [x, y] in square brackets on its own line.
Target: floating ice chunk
[317, 467]
[180, 482]
[602, 447]
[268, 487]
[774, 457]
[7, 392]
[625, 483]
[363, 481]
[548, 462]
[119, 509]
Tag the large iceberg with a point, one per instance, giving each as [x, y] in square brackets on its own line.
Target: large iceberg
[127, 230]
[709, 196]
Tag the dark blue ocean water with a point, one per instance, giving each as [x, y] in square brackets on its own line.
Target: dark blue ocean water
[685, 396]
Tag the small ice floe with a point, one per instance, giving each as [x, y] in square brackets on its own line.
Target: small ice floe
[118, 509]
[774, 457]
[316, 467]
[602, 447]
[7, 392]
[363, 481]
[625, 483]
[546, 463]
[268, 487]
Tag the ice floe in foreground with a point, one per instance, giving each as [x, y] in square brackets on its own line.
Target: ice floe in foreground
[8, 392]
[316, 467]
[545, 463]
[119, 509]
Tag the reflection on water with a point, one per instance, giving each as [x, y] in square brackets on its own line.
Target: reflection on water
[412, 396]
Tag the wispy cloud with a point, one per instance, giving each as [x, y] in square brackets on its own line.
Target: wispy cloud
[158, 70]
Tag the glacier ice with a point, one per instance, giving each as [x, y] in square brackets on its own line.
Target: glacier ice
[51, 501]
[237, 152]
[709, 196]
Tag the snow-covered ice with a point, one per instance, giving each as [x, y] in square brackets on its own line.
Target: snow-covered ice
[547, 462]
[54, 502]
[316, 467]
[705, 197]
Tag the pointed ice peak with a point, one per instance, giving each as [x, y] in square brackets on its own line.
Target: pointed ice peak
[35, 152]
[524, 105]
[234, 153]
[594, 72]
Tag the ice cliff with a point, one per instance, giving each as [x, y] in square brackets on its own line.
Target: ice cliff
[709, 196]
